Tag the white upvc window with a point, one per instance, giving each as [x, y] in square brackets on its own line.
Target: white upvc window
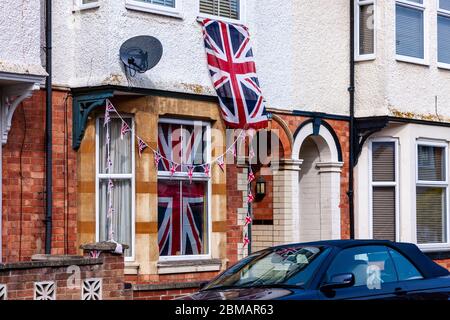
[384, 190]
[163, 7]
[443, 26]
[184, 204]
[411, 31]
[122, 175]
[365, 30]
[432, 194]
[225, 10]
[86, 4]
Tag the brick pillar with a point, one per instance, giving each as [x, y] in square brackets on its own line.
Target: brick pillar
[286, 202]
[112, 273]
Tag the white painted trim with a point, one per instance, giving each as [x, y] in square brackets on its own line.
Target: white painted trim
[242, 14]
[372, 56]
[131, 177]
[445, 66]
[196, 177]
[78, 5]
[394, 184]
[442, 184]
[426, 41]
[305, 132]
[156, 8]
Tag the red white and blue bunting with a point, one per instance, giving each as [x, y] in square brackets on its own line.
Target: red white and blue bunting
[174, 166]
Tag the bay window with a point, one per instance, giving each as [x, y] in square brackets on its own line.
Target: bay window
[432, 194]
[122, 177]
[384, 191]
[443, 21]
[410, 30]
[364, 29]
[184, 196]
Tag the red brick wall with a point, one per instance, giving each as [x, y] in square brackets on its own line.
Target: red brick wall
[444, 263]
[162, 294]
[263, 208]
[24, 180]
[234, 201]
[20, 278]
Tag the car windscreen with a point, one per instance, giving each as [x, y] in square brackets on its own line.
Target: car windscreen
[286, 266]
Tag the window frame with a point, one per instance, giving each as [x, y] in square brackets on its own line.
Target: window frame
[443, 13]
[370, 56]
[182, 176]
[79, 5]
[425, 9]
[241, 20]
[373, 184]
[441, 184]
[128, 176]
[155, 8]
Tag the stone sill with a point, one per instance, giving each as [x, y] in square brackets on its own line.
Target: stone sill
[51, 262]
[188, 266]
[131, 268]
[167, 286]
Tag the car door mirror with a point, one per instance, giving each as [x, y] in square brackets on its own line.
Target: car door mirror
[339, 281]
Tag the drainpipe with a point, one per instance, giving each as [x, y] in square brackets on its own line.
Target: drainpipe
[48, 128]
[351, 90]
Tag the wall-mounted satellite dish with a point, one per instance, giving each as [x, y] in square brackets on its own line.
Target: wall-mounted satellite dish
[140, 54]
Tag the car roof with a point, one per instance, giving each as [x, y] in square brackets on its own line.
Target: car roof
[426, 266]
[339, 243]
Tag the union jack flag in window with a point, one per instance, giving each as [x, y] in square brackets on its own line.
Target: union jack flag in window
[182, 218]
[233, 72]
[181, 144]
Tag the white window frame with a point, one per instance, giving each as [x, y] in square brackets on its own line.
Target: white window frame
[395, 184]
[127, 176]
[196, 177]
[443, 184]
[241, 20]
[371, 56]
[425, 8]
[79, 5]
[155, 8]
[445, 13]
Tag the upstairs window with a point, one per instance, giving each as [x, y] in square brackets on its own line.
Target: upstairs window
[228, 9]
[365, 29]
[165, 3]
[162, 7]
[86, 4]
[443, 21]
[432, 194]
[410, 30]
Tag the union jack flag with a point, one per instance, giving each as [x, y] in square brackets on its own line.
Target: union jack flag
[181, 218]
[233, 72]
[180, 144]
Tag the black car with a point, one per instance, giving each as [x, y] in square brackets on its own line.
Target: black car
[330, 270]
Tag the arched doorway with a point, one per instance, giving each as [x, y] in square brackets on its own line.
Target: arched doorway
[318, 216]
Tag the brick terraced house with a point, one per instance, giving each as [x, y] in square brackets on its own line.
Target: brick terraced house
[389, 98]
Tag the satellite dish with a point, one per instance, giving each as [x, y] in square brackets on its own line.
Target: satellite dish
[141, 53]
